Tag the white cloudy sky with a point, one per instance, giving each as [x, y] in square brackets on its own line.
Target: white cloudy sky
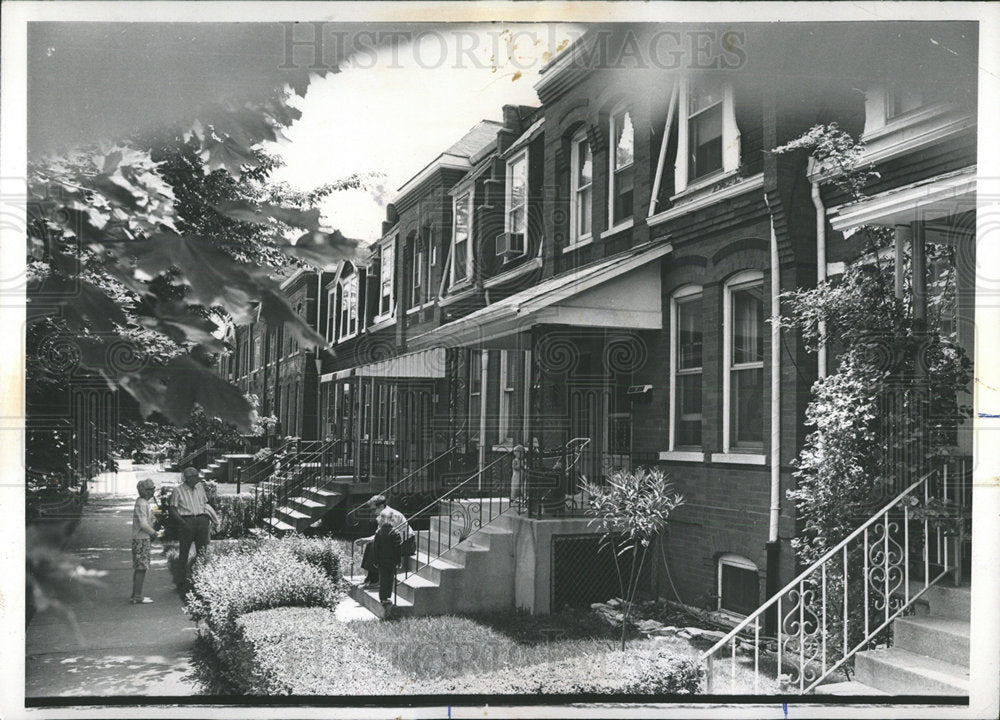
[396, 113]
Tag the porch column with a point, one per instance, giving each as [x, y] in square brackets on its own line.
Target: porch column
[918, 259]
[483, 397]
[902, 238]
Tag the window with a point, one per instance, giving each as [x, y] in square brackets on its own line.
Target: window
[332, 313]
[704, 119]
[685, 368]
[509, 366]
[708, 140]
[475, 392]
[738, 585]
[903, 98]
[386, 273]
[516, 219]
[348, 307]
[621, 173]
[581, 193]
[744, 362]
[417, 277]
[461, 249]
[256, 353]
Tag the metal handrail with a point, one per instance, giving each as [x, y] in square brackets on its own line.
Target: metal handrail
[191, 455]
[279, 490]
[809, 631]
[389, 489]
[258, 467]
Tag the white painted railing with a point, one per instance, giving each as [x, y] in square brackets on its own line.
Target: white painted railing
[845, 601]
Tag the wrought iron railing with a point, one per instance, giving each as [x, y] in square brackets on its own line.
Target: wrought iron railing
[192, 456]
[491, 483]
[259, 470]
[405, 484]
[311, 461]
[846, 601]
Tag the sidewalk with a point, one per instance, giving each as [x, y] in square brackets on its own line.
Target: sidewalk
[128, 649]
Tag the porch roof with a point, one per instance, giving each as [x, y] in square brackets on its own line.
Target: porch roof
[429, 363]
[622, 291]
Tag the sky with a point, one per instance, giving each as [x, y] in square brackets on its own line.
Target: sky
[393, 112]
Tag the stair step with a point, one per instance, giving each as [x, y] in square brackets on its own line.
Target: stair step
[944, 599]
[307, 503]
[901, 672]
[943, 638]
[295, 514]
[852, 687]
[279, 526]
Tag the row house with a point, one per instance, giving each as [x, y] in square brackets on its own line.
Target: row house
[599, 273]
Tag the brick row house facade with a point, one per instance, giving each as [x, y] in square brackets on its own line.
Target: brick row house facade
[604, 267]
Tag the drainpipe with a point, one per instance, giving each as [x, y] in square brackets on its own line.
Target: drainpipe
[317, 359]
[820, 272]
[773, 547]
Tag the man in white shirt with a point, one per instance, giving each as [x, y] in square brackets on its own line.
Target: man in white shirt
[189, 508]
[381, 507]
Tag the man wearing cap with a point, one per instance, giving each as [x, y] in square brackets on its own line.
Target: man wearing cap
[189, 508]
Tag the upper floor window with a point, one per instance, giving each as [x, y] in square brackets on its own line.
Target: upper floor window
[621, 175]
[743, 382]
[512, 242]
[332, 313]
[387, 270]
[708, 139]
[349, 306]
[417, 272]
[461, 248]
[686, 368]
[582, 192]
[893, 106]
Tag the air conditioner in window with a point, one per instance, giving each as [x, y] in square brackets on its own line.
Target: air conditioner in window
[510, 244]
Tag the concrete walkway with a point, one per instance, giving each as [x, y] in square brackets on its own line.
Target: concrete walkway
[120, 648]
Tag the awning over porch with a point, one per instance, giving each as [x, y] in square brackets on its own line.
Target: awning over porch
[622, 291]
[428, 363]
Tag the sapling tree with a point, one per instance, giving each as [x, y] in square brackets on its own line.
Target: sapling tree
[632, 508]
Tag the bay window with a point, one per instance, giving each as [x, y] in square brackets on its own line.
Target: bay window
[708, 140]
[744, 362]
[516, 214]
[348, 307]
[621, 174]
[387, 268]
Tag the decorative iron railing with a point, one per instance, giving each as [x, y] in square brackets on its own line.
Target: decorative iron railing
[312, 461]
[259, 470]
[846, 601]
[192, 457]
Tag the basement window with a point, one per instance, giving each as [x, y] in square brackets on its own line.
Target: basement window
[738, 585]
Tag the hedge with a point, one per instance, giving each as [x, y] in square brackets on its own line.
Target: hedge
[227, 585]
[236, 512]
[305, 651]
[635, 671]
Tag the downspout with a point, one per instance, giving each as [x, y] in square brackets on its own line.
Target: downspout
[318, 361]
[820, 271]
[773, 546]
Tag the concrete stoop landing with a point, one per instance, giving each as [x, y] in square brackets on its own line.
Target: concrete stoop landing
[929, 655]
[474, 574]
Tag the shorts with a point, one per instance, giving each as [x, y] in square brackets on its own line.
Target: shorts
[140, 553]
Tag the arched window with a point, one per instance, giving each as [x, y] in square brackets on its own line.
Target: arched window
[738, 584]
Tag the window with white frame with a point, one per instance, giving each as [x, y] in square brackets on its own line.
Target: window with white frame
[582, 191]
[738, 585]
[708, 138]
[686, 368]
[744, 362]
[621, 172]
[516, 216]
[348, 306]
[461, 243]
[509, 368]
[387, 269]
[332, 313]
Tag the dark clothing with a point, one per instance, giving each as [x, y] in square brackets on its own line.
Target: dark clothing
[386, 579]
[198, 534]
[387, 546]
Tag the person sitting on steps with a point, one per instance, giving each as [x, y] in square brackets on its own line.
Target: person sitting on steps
[379, 505]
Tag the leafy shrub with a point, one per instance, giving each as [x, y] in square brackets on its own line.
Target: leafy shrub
[305, 651]
[642, 672]
[230, 584]
[322, 553]
[236, 512]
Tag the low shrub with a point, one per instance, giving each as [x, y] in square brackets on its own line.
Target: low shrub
[636, 671]
[236, 512]
[323, 553]
[305, 651]
[227, 585]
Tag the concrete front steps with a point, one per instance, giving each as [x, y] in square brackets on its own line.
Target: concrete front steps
[307, 508]
[456, 576]
[929, 655]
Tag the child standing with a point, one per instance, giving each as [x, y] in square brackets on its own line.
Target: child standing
[386, 551]
[142, 536]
